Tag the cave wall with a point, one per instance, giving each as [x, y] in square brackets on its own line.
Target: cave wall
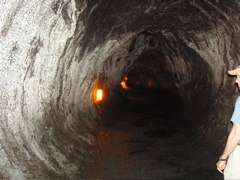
[53, 52]
[34, 36]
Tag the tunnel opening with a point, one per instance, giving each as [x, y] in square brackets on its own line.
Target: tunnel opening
[167, 94]
[166, 77]
[146, 95]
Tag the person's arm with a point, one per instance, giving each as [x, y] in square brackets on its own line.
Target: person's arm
[232, 142]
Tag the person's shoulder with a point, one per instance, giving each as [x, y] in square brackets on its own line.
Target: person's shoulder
[238, 100]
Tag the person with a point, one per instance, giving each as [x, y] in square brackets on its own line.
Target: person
[229, 162]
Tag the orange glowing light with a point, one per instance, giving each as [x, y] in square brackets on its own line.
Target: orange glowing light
[99, 95]
[124, 83]
[150, 83]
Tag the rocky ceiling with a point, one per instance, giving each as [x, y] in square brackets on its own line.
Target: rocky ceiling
[54, 53]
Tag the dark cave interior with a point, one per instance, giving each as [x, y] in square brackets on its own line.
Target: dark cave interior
[162, 66]
[165, 77]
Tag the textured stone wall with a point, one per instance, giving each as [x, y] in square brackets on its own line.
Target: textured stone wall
[53, 52]
[34, 35]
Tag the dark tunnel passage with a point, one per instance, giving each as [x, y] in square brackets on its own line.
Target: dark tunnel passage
[161, 65]
[167, 73]
[165, 96]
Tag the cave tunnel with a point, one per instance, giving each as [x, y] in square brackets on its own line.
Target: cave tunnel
[162, 66]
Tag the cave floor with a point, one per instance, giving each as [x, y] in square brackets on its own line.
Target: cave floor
[141, 145]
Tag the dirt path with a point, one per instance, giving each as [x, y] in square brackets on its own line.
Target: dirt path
[147, 142]
[138, 147]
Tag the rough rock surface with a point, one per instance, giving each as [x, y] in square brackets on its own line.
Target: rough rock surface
[54, 53]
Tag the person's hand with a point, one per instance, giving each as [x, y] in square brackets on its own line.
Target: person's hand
[221, 166]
